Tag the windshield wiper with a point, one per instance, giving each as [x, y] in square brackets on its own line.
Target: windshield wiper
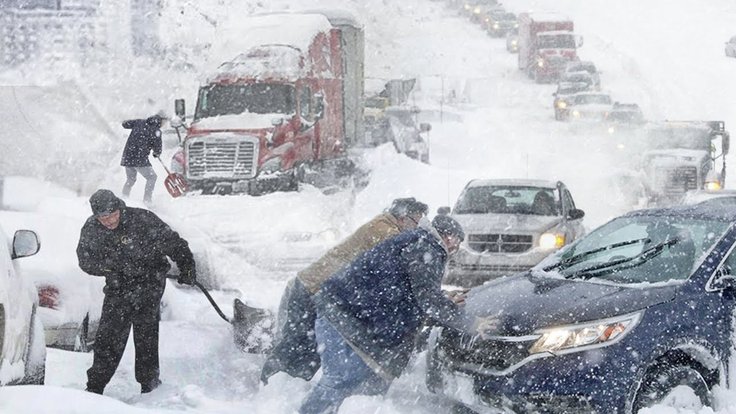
[573, 260]
[637, 260]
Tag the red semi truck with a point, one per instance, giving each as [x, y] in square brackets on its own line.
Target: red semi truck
[288, 101]
[546, 44]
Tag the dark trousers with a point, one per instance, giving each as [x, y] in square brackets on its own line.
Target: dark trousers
[132, 173]
[138, 308]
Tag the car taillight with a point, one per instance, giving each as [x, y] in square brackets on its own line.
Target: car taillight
[48, 297]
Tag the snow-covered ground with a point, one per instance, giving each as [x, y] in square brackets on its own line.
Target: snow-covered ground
[665, 55]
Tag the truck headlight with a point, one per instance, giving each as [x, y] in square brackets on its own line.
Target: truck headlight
[562, 104]
[272, 165]
[713, 185]
[540, 63]
[551, 240]
[578, 337]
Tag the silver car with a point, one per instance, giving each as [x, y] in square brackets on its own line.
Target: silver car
[510, 226]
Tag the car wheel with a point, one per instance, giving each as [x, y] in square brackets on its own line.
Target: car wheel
[35, 372]
[676, 385]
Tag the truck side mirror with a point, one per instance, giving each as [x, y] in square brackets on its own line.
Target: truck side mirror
[444, 211]
[180, 108]
[575, 214]
[425, 127]
[319, 106]
[726, 142]
[25, 243]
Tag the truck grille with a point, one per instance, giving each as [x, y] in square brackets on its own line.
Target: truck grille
[678, 180]
[500, 243]
[233, 158]
[462, 348]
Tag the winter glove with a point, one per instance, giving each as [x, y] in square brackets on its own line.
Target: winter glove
[156, 154]
[187, 277]
[112, 283]
[486, 326]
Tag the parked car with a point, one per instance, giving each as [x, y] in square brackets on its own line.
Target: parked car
[70, 301]
[564, 91]
[510, 225]
[498, 22]
[22, 348]
[731, 47]
[714, 197]
[512, 41]
[638, 310]
[587, 106]
[583, 66]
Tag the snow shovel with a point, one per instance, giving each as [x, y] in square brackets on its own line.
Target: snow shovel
[174, 182]
[252, 327]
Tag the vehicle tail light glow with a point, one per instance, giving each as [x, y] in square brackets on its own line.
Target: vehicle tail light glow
[48, 297]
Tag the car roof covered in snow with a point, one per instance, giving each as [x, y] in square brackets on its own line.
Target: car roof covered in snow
[516, 182]
[704, 211]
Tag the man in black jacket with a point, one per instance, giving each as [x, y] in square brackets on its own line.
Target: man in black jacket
[145, 136]
[128, 247]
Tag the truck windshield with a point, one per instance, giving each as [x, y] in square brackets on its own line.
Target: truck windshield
[561, 41]
[686, 137]
[643, 249]
[508, 200]
[258, 98]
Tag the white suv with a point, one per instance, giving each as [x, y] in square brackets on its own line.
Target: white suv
[22, 344]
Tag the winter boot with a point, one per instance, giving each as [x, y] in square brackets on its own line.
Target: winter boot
[150, 386]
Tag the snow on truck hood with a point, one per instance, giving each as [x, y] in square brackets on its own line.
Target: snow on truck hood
[496, 223]
[527, 303]
[245, 120]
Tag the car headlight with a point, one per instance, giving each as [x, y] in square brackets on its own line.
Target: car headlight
[713, 185]
[272, 165]
[562, 104]
[575, 338]
[513, 42]
[576, 114]
[611, 130]
[496, 26]
[466, 6]
[477, 10]
[516, 25]
[551, 240]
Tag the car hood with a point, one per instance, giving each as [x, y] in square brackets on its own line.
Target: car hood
[526, 303]
[505, 223]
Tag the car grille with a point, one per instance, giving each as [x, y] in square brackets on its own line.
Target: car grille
[490, 268]
[496, 355]
[500, 243]
[222, 158]
[678, 180]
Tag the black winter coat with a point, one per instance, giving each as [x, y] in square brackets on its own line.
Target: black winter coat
[134, 254]
[145, 136]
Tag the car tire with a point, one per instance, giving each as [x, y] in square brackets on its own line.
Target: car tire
[662, 378]
[35, 372]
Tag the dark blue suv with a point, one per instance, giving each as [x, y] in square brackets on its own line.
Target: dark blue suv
[611, 324]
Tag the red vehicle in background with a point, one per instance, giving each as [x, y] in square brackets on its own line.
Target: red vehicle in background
[547, 42]
[287, 103]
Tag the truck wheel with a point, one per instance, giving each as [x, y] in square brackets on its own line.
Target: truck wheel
[660, 381]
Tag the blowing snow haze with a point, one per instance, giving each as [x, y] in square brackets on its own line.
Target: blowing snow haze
[289, 124]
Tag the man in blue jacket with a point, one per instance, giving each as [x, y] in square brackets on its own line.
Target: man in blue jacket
[370, 312]
[145, 136]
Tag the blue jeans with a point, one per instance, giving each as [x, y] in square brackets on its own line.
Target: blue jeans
[343, 374]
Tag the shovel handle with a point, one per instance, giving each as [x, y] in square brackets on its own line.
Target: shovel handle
[212, 301]
[163, 165]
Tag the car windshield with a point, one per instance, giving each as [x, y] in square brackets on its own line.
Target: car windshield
[259, 98]
[679, 136]
[625, 116]
[560, 41]
[593, 99]
[508, 200]
[643, 249]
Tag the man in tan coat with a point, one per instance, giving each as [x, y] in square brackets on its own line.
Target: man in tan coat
[295, 348]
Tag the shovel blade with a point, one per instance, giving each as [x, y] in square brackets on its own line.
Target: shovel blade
[252, 328]
[176, 185]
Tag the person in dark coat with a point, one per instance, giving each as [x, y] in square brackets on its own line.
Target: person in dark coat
[145, 136]
[370, 312]
[128, 247]
[295, 347]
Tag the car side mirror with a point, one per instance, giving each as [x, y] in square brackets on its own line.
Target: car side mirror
[444, 211]
[425, 127]
[575, 214]
[319, 106]
[180, 108]
[25, 243]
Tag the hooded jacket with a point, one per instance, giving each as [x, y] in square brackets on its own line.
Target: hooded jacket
[379, 302]
[134, 254]
[382, 227]
[145, 136]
